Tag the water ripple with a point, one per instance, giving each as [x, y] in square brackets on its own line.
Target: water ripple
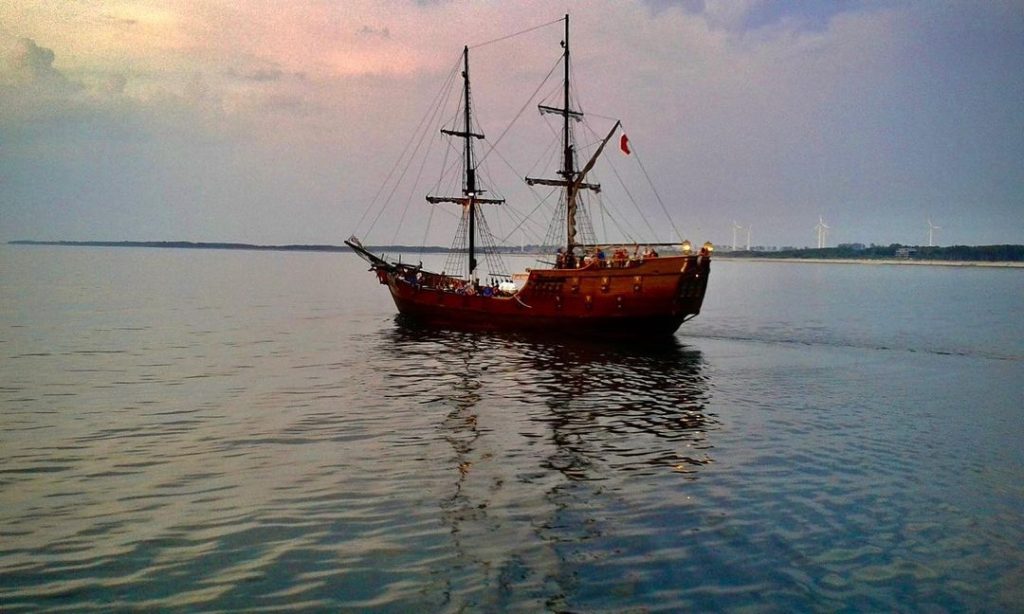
[220, 442]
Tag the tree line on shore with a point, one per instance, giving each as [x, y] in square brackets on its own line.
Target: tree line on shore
[894, 251]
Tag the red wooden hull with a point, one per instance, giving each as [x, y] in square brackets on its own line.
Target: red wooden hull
[645, 299]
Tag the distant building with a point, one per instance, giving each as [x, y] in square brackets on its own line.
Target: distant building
[905, 253]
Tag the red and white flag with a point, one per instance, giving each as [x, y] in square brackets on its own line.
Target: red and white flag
[624, 144]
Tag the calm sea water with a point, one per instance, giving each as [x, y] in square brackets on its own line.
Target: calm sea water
[214, 430]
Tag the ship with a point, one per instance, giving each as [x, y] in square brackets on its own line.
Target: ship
[584, 288]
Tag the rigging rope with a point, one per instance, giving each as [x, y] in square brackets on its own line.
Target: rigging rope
[398, 182]
[629, 195]
[432, 112]
[495, 265]
[508, 36]
[656, 195]
[426, 231]
[528, 217]
[454, 262]
[419, 173]
[412, 187]
[518, 115]
[633, 200]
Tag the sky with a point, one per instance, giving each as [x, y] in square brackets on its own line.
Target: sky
[276, 122]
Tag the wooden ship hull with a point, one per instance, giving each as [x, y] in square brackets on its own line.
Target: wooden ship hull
[648, 298]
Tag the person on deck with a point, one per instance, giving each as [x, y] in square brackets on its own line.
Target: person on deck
[619, 257]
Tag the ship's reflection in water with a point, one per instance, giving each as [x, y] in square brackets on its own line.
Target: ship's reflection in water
[607, 406]
[562, 456]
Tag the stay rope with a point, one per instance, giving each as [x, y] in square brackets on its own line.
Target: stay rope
[521, 32]
[427, 117]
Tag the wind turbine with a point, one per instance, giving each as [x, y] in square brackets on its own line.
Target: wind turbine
[931, 229]
[822, 229]
[735, 227]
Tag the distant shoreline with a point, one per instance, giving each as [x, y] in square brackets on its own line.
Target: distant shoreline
[231, 246]
[396, 249]
[512, 251]
[886, 261]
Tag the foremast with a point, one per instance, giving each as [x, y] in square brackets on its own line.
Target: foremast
[470, 193]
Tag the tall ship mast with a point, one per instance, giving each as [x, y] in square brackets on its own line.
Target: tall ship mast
[585, 291]
[470, 192]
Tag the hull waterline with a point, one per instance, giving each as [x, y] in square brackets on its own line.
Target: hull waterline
[647, 299]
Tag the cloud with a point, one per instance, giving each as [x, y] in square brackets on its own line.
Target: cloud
[693, 7]
[28, 64]
[742, 16]
[120, 21]
[374, 32]
[268, 75]
[767, 112]
[40, 106]
[33, 93]
[265, 74]
[31, 59]
[115, 84]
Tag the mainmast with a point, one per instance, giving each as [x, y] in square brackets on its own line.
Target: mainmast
[567, 164]
[470, 193]
[571, 180]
